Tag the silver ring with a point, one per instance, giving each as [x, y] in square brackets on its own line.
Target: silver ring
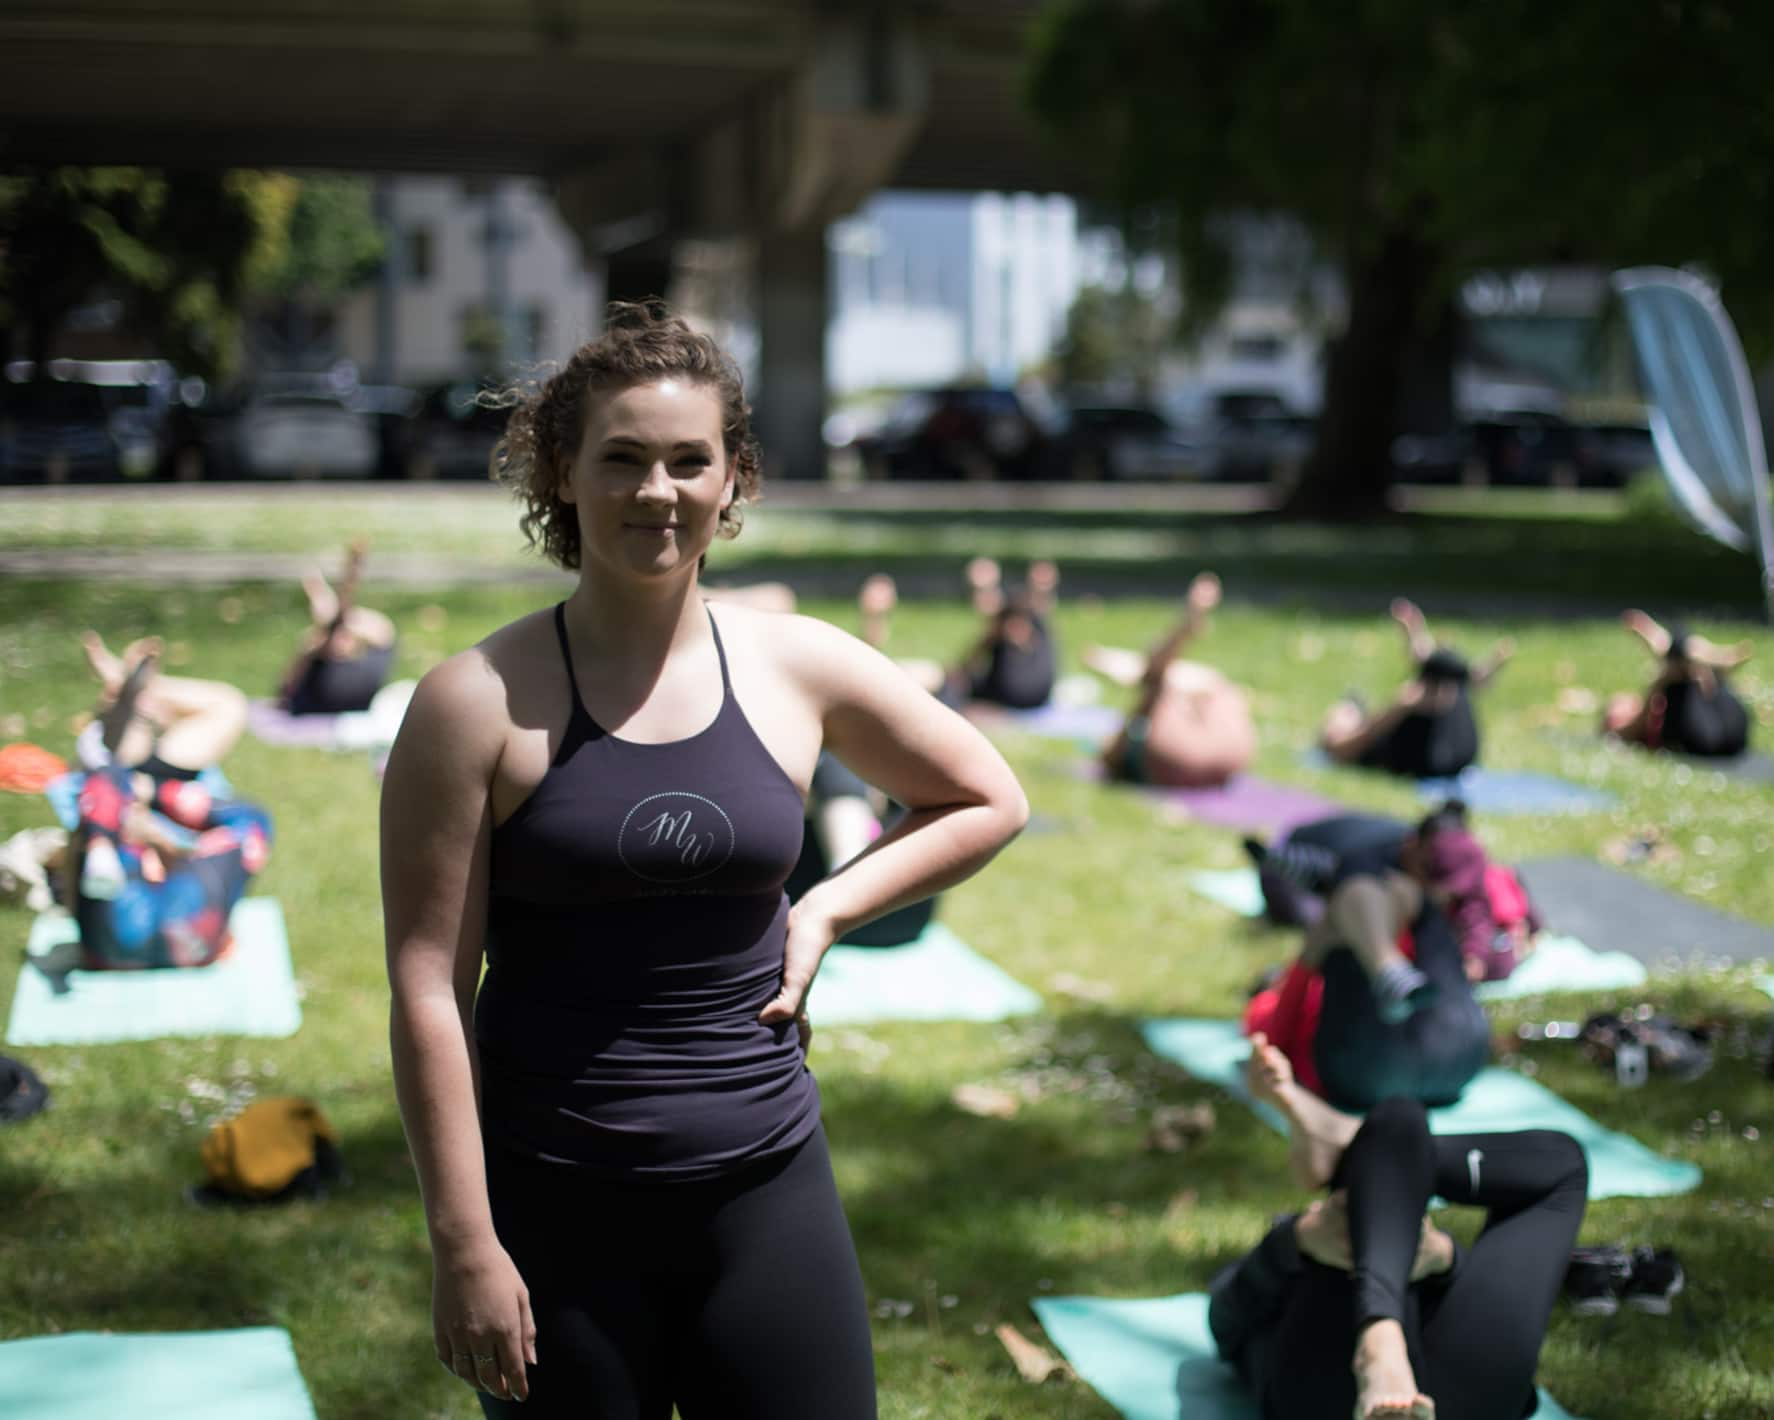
[481, 1360]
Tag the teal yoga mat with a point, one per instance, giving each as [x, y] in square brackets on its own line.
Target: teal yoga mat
[1561, 963]
[252, 991]
[1235, 889]
[938, 977]
[1496, 1102]
[193, 1375]
[1153, 1358]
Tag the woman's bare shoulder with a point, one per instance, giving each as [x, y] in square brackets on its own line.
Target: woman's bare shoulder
[468, 697]
[803, 648]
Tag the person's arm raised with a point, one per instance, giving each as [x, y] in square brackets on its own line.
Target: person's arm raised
[962, 802]
[436, 839]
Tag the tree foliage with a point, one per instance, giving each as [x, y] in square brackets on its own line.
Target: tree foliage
[183, 251]
[1113, 336]
[1420, 140]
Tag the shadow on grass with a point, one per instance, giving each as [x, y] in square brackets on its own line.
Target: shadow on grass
[1065, 1198]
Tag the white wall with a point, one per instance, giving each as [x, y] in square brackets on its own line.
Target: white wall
[545, 274]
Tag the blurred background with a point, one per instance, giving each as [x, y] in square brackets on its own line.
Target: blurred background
[996, 240]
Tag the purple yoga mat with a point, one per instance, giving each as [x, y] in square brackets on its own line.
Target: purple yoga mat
[271, 723]
[1247, 803]
[1250, 803]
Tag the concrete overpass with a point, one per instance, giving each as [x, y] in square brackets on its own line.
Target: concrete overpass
[657, 121]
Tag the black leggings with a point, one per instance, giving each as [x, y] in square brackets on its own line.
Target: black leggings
[1431, 1057]
[1474, 1340]
[738, 1298]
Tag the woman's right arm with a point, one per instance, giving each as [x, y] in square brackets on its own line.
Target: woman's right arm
[436, 837]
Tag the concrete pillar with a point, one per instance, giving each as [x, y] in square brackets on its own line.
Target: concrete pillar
[386, 361]
[792, 309]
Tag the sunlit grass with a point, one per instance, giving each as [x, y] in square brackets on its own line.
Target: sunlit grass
[959, 1220]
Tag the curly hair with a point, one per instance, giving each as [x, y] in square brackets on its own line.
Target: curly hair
[642, 342]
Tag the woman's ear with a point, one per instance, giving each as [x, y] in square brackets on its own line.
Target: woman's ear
[563, 486]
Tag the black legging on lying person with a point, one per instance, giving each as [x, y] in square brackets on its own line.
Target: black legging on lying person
[1289, 1325]
[1431, 1056]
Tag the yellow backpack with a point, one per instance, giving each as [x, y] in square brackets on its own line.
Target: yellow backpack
[273, 1146]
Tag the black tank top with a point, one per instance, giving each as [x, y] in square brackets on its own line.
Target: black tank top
[635, 929]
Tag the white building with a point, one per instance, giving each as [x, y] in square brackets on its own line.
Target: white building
[459, 251]
[933, 287]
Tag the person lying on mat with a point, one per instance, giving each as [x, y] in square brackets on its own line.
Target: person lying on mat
[169, 726]
[146, 897]
[1428, 731]
[1688, 709]
[157, 863]
[1360, 1304]
[1493, 919]
[347, 650]
[844, 816]
[1378, 1002]
[1191, 727]
[1011, 664]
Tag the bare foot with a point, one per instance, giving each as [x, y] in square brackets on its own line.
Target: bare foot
[877, 599]
[1646, 628]
[1385, 1385]
[105, 666]
[1115, 663]
[140, 665]
[323, 605]
[1317, 1133]
[985, 581]
[1407, 614]
[1204, 593]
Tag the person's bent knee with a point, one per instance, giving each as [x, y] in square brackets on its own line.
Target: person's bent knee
[1398, 1114]
[1566, 1154]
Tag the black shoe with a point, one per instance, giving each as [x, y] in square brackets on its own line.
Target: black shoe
[1595, 1279]
[1657, 1278]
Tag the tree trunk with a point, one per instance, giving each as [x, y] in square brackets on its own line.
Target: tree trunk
[1350, 469]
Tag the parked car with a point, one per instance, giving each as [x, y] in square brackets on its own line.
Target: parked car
[1526, 446]
[1123, 442]
[61, 431]
[960, 432]
[304, 434]
[1253, 436]
[1609, 455]
[451, 434]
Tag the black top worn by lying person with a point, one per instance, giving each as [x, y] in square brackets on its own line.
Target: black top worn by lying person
[1713, 726]
[1431, 742]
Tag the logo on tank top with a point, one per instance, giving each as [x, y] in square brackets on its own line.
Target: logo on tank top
[675, 837]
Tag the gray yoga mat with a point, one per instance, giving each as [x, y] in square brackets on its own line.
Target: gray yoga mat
[1623, 913]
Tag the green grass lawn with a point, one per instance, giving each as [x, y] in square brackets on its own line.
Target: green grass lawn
[959, 1220]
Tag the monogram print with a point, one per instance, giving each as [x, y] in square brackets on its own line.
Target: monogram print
[675, 837]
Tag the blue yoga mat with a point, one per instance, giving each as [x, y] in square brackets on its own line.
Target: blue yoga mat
[251, 991]
[938, 977]
[1498, 1101]
[1154, 1358]
[1499, 791]
[192, 1375]
[1516, 791]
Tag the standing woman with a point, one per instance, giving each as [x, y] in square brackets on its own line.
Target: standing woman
[617, 1139]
